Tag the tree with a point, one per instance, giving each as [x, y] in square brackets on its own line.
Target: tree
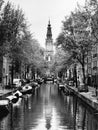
[91, 9]
[13, 25]
[14, 33]
[1, 44]
[38, 62]
[60, 62]
[75, 38]
[17, 42]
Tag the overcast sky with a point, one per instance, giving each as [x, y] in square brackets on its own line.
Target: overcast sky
[38, 13]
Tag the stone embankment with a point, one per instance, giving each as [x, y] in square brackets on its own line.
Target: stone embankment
[88, 97]
[5, 92]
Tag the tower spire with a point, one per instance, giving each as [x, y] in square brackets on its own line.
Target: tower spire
[49, 21]
[49, 43]
[49, 33]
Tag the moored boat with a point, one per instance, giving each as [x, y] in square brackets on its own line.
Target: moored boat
[15, 96]
[34, 85]
[4, 106]
[12, 98]
[27, 89]
[18, 103]
[17, 93]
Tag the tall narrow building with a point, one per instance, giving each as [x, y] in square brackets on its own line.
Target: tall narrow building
[49, 44]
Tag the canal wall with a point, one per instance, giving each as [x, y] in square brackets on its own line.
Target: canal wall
[87, 97]
[4, 93]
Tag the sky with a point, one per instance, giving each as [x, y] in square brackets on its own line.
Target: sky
[38, 13]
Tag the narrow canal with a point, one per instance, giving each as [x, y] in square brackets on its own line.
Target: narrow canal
[48, 109]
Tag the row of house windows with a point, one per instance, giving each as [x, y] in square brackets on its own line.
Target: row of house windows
[93, 61]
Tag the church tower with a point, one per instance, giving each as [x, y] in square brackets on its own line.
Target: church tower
[49, 44]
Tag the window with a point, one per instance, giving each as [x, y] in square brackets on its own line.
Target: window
[94, 63]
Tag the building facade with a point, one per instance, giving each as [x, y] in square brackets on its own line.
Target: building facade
[92, 66]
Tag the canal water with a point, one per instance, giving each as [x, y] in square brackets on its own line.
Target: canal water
[49, 109]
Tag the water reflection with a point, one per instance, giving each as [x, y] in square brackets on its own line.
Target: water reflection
[48, 109]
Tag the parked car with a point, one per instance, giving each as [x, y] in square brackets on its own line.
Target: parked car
[61, 86]
[71, 83]
[25, 81]
[17, 82]
[55, 80]
[34, 84]
[39, 81]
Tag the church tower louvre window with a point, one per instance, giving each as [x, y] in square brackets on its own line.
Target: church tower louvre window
[49, 44]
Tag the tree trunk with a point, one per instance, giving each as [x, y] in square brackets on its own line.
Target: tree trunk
[83, 71]
[75, 76]
[12, 74]
[83, 68]
[84, 83]
[25, 71]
